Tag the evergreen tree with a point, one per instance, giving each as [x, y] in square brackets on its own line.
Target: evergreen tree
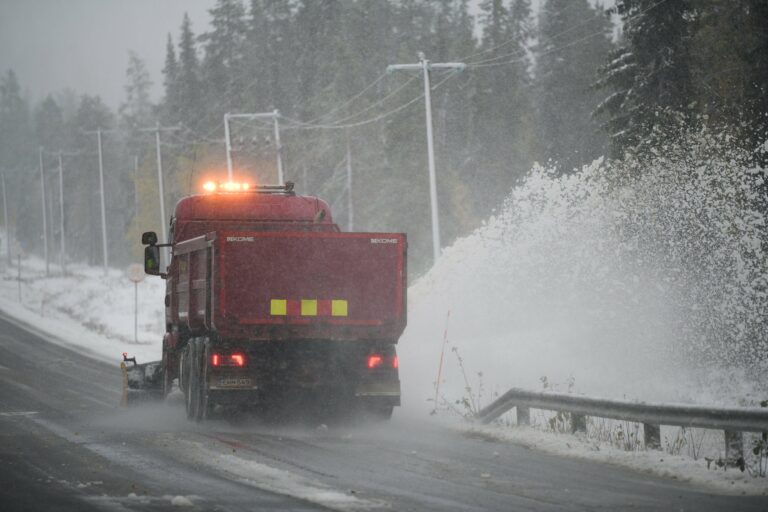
[15, 142]
[136, 110]
[223, 66]
[565, 73]
[271, 56]
[317, 23]
[84, 212]
[49, 124]
[650, 72]
[170, 105]
[189, 88]
[502, 143]
[729, 67]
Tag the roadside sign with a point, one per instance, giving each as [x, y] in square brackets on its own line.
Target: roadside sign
[136, 272]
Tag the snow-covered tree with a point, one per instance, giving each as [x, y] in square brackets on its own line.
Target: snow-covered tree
[573, 42]
[650, 72]
[136, 111]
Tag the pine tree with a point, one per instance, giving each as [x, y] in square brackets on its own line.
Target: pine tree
[271, 56]
[502, 143]
[170, 106]
[317, 23]
[574, 42]
[729, 67]
[49, 124]
[82, 187]
[223, 66]
[650, 72]
[136, 110]
[15, 146]
[189, 88]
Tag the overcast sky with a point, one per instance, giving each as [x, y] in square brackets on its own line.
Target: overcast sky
[84, 44]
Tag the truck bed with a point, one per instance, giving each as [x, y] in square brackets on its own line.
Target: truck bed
[292, 285]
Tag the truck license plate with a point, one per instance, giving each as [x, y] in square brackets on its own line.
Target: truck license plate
[234, 382]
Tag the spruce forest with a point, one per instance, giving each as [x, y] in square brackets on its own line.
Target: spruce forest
[562, 86]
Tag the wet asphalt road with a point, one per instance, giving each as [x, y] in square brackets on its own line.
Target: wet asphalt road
[65, 445]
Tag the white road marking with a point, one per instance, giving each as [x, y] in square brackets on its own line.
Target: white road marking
[18, 413]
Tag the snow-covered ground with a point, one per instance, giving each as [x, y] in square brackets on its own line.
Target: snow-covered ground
[677, 467]
[85, 309]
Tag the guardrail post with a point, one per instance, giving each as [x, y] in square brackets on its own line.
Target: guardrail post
[652, 436]
[523, 416]
[734, 446]
[578, 423]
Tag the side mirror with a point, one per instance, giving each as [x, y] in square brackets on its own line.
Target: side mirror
[151, 259]
[149, 238]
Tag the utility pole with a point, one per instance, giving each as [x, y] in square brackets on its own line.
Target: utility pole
[275, 116]
[160, 181]
[350, 213]
[161, 189]
[5, 217]
[103, 207]
[98, 133]
[135, 184]
[45, 220]
[425, 67]
[278, 147]
[63, 245]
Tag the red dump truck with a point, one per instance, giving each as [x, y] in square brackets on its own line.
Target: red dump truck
[268, 303]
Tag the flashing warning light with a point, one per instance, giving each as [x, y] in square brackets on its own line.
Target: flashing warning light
[374, 361]
[228, 360]
[228, 186]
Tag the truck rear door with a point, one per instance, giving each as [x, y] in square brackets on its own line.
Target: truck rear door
[309, 285]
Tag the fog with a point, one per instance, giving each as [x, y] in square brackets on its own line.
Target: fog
[83, 44]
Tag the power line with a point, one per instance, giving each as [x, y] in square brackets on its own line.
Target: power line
[366, 109]
[350, 100]
[513, 40]
[490, 61]
[367, 121]
[552, 50]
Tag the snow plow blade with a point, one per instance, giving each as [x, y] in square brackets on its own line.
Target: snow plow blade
[142, 383]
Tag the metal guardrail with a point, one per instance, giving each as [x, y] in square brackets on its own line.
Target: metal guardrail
[733, 420]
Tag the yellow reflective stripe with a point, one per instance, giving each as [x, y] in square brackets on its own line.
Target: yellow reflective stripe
[278, 307]
[308, 307]
[339, 308]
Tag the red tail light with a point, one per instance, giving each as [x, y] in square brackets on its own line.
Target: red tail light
[236, 359]
[374, 361]
[395, 362]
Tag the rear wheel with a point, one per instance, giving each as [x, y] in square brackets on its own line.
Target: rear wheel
[206, 405]
[192, 373]
[167, 380]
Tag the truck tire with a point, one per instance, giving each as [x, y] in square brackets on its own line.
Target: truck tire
[167, 380]
[206, 406]
[192, 392]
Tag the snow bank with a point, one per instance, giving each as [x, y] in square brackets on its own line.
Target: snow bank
[643, 279]
[665, 465]
[85, 309]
